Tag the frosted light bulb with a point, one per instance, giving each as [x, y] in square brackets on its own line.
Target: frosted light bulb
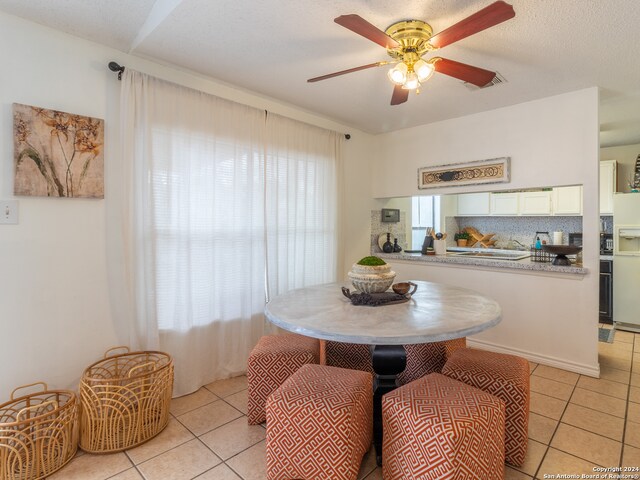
[423, 69]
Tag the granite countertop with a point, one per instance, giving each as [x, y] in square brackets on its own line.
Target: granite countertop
[449, 258]
[606, 257]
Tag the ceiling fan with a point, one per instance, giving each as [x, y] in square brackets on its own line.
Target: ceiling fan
[407, 41]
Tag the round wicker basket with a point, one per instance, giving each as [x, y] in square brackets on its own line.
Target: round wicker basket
[38, 433]
[125, 400]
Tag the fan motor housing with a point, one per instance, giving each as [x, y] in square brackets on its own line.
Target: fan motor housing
[412, 35]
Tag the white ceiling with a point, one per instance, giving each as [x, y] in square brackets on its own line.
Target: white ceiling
[273, 46]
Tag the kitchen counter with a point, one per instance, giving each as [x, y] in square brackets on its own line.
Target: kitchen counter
[452, 259]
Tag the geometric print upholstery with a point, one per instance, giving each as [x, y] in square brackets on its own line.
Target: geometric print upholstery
[426, 358]
[319, 424]
[354, 356]
[274, 359]
[439, 428]
[506, 377]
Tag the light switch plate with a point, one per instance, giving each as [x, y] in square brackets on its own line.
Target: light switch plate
[8, 212]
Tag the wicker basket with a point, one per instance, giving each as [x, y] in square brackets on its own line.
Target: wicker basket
[38, 433]
[125, 400]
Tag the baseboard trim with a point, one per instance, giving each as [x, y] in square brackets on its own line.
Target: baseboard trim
[581, 368]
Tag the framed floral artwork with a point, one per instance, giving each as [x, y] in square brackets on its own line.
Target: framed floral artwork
[57, 154]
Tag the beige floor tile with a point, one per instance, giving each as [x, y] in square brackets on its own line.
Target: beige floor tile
[616, 349]
[190, 402]
[635, 379]
[551, 388]
[635, 367]
[131, 474]
[535, 452]
[93, 467]
[606, 387]
[175, 434]
[238, 400]
[224, 388]
[557, 374]
[614, 362]
[598, 401]
[541, 428]
[632, 434]
[181, 463]
[547, 406]
[624, 337]
[511, 474]
[634, 394]
[594, 421]
[204, 419]
[368, 463]
[608, 373]
[557, 462]
[251, 464]
[375, 475]
[532, 367]
[631, 456]
[633, 412]
[221, 472]
[234, 437]
[586, 445]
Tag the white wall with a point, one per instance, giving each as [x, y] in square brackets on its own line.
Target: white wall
[553, 141]
[626, 156]
[56, 313]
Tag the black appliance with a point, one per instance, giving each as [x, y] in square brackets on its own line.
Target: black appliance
[606, 291]
[606, 244]
[575, 239]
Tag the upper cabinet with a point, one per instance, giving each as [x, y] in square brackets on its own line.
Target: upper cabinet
[504, 203]
[567, 200]
[535, 203]
[472, 204]
[608, 185]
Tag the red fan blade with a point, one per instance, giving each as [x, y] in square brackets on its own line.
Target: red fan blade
[400, 95]
[359, 25]
[492, 15]
[343, 72]
[467, 73]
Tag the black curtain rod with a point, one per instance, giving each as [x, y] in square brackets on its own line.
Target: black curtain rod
[115, 67]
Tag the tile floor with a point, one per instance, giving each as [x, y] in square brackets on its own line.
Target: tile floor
[576, 423]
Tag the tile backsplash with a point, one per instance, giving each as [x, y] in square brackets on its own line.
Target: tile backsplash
[396, 229]
[518, 228]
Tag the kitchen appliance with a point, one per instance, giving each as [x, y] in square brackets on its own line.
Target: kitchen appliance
[626, 261]
[575, 239]
[606, 244]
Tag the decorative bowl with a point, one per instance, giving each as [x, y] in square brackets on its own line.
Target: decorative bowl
[371, 279]
[403, 288]
[561, 252]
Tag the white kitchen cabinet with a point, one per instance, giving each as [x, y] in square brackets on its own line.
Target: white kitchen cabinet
[535, 203]
[567, 200]
[608, 185]
[471, 204]
[504, 203]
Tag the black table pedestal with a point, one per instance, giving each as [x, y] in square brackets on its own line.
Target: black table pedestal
[388, 361]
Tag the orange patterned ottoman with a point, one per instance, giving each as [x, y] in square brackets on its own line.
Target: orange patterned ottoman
[426, 358]
[355, 356]
[506, 377]
[439, 428]
[274, 359]
[319, 424]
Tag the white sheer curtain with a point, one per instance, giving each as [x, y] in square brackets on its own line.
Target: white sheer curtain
[302, 192]
[222, 204]
[196, 227]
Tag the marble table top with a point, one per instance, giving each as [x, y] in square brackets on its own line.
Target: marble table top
[436, 312]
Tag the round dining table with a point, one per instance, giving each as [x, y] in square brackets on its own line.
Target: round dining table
[434, 313]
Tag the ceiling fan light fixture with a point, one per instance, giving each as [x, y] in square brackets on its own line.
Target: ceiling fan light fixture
[423, 69]
[412, 81]
[398, 74]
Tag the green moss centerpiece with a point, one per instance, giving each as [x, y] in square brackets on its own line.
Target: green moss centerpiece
[371, 275]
